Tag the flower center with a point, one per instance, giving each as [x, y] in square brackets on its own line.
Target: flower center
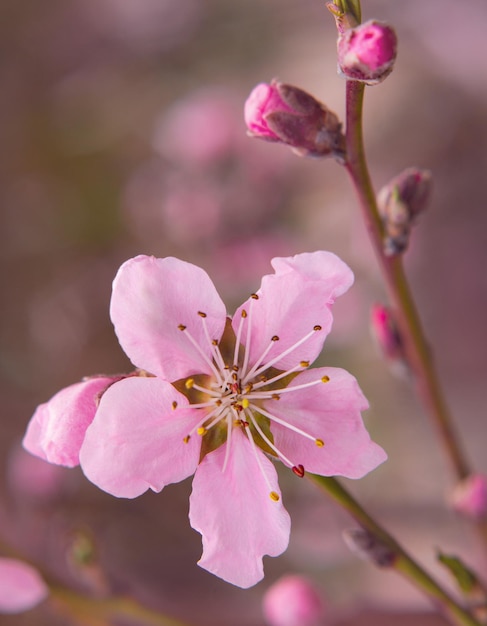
[238, 395]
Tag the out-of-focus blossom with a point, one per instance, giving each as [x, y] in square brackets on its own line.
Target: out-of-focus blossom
[21, 587]
[367, 52]
[146, 26]
[293, 601]
[32, 477]
[224, 394]
[399, 203]
[199, 129]
[57, 428]
[289, 115]
[470, 496]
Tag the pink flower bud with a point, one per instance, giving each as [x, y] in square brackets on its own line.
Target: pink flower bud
[399, 204]
[286, 114]
[293, 601]
[367, 52]
[470, 496]
[386, 333]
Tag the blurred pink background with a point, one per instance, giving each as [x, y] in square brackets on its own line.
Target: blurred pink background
[122, 133]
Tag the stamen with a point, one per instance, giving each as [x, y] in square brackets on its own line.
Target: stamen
[256, 372]
[243, 316]
[174, 405]
[201, 430]
[274, 392]
[318, 442]
[187, 438]
[269, 381]
[229, 441]
[298, 470]
[253, 297]
[272, 494]
[200, 350]
[265, 438]
[215, 349]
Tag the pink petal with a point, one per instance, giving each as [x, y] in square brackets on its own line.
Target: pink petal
[291, 303]
[330, 412]
[136, 439]
[57, 428]
[21, 587]
[235, 515]
[151, 298]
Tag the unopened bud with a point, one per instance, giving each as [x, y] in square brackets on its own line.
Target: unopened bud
[286, 114]
[367, 52]
[293, 601]
[469, 497]
[399, 203]
[386, 334]
[369, 547]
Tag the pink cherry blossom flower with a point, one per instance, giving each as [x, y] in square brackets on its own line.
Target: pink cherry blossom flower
[21, 587]
[225, 395]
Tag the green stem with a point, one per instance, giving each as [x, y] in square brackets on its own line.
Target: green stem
[86, 608]
[416, 348]
[401, 562]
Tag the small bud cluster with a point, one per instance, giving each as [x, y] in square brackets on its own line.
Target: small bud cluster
[369, 547]
[399, 203]
[286, 114]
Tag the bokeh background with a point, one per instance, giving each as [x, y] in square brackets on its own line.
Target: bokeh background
[122, 133]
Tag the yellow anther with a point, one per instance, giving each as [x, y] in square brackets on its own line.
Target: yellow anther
[182, 327]
[317, 327]
[245, 403]
[304, 364]
[274, 496]
[276, 396]
[201, 431]
[235, 368]
[248, 388]
[275, 338]
[319, 442]
[218, 402]
[325, 379]
[214, 342]
[174, 405]
[187, 438]
[254, 296]
[244, 313]
[189, 383]
[201, 314]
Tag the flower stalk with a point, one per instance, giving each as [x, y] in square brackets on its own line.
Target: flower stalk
[402, 562]
[411, 332]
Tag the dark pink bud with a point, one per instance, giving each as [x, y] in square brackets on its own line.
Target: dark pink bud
[286, 114]
[293, 601]
[470, 497]
[387, 335]
[367, 52]
[399, 204]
